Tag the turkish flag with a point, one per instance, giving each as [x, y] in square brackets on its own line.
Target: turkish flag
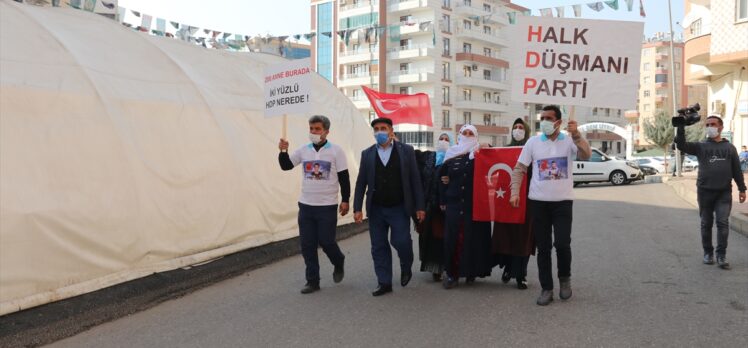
[401, 108]
[491, 192]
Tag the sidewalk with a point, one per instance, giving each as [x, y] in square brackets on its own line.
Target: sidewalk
[685, 187]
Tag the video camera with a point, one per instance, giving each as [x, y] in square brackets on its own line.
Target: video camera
[687, 116]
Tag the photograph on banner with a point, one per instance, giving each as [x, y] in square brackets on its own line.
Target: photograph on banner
[581, 62]
[288, 87]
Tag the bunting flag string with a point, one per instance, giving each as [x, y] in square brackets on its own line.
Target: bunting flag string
[612, 4]
[577, 10]
[641, 9]
[597, 6]
[560, 11]
[546, 12]
[629, 5]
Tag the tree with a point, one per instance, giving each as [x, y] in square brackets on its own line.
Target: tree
[659, 130]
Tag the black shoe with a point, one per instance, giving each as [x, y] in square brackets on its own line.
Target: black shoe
[565, 288]
[437, 277]
[310, 288]
[521, 284]
[469, 280]
[405, 277]
[449, 282]
[546, 297]
[722, 262]
[338, 273]
[381, 290]
[708, 259]
[505, 277]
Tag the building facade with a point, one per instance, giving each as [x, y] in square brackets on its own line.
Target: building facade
[452, 50]
[716, 55]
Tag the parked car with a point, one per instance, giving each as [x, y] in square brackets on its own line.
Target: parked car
[688, 164]
[651, 162]
[601, 168]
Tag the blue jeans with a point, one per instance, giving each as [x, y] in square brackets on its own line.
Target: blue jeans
[317, 226]
[381, 221]
[714, 203]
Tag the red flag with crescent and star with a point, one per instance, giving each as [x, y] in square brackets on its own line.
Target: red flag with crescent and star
[401, 108]
[491, 191]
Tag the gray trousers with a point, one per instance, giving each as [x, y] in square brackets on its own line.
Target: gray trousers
[715, 204]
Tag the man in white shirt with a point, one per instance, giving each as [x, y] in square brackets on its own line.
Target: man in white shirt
[324, 167]
[551, 195]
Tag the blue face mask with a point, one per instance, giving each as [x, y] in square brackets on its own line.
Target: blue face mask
[381, 137]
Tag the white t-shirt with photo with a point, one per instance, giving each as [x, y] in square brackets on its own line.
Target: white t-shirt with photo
[552, 164]
[319, 169]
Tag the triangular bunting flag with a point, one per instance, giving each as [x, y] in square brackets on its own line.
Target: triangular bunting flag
[630, 5]
[512, 17]
[226, 35]
[175, 25]
[560, 11]
[577, 10]
[146, 22]
[527, 13]
[612, 4]
[136, 13]
[206, 31]
[597, 6]
[546, 12]
[641, 9]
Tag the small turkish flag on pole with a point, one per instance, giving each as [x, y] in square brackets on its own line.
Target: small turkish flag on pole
[491, 192]
[401, 108]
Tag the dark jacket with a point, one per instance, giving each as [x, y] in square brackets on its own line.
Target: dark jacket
[411, 180]
[718, 163]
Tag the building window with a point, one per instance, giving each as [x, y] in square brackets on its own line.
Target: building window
[646, 93]
[404, 66]
[646, 51]
[445, 71]
[645, 80]
[607, 111]
[741, 12]
[446, 24]
[486, 97]
[372, 116]
[419, 138]
[646, 107]
[619, 115]
[487, 7]
[486, 51]
[324, 43]
[445, 95]
[467, 117]
[446, 3]
[660, 78]
[467, 25]
[445, 119]
[486, 30]
[695, 28]
[677, 66]
[446, 46]
[487, 119]
[467, 71]
[405, 90]
[487, 74]
[406, 19]
[467, 48]
[646, 66]
[356, 94]
[594, 111]
[467, 94]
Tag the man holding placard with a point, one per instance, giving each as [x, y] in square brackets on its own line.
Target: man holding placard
[551, 155]
[324, 167]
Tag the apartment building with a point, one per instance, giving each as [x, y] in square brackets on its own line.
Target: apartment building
[716, 55]
[452, 50]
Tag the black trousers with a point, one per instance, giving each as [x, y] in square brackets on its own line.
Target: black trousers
[317, 229]
[551, 227]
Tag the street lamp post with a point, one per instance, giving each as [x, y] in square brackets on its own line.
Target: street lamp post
[677, 160]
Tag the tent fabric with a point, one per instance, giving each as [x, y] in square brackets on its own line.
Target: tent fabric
[123, 154]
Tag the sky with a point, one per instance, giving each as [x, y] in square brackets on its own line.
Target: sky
[289, 17]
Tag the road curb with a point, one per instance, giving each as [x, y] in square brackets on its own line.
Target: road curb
[58, 320]
[686, 189]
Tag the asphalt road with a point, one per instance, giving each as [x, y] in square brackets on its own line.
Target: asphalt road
[637, 277]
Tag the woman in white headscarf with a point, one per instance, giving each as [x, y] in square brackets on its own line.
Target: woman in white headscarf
[467, 243]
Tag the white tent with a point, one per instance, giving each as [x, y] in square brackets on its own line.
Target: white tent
[123, 154]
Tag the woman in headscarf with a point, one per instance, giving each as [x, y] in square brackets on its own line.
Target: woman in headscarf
[512, 244]
[467, 243]
[431, 230]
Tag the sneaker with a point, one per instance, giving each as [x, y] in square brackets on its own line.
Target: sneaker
[722, 262]
[546, 297]
[565, 288]
[521, 284]
[708, 259]
[506, 277]
[449, 282]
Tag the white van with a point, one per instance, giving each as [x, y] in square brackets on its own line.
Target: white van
[601, 168]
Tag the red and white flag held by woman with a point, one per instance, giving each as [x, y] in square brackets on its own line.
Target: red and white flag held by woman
[401, 108]
[491, 191]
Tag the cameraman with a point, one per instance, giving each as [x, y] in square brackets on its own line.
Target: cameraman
[718, 166]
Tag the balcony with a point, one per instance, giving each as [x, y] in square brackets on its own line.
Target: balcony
[413, 28]
[396, 6]
[482, 83]
[467, 9]
[411, 76]
[482, 105]
[660, 98]
[357, 79]
[359, 55]
[411, 52]
[661, 85]
[359, 8]
[480, 35]
[488, 130]
[698, 42]
[493, 59]
[361, 102]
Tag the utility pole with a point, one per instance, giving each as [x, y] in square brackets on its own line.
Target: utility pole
[677, 160]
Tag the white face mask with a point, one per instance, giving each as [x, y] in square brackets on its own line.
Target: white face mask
[712, 132]
[442, 145]
[466, 141]
[315, 138]
[518, 134]
[547, 127]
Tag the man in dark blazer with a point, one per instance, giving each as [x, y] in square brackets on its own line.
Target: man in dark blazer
[388, 169]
